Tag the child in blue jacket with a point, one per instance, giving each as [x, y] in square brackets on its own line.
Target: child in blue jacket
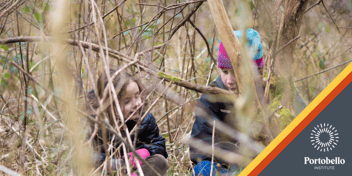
[212, 108]
[208, 106]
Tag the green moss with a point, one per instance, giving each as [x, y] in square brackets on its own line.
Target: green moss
[265, 74]
[285, 117]
[275, 102]
[277, 89]
[173, 78]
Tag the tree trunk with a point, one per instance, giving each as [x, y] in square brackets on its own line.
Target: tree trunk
[289, 30]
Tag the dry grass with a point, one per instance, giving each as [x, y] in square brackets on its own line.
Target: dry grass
[36, 131]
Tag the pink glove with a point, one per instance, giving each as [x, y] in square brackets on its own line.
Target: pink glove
[144, 153]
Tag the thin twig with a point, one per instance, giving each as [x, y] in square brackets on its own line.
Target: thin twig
[313, 6]
[272, 113]
[4, 6]
[212, 149]
[345, 27]
[288, 43]
[205, 40]
[323, 71]
[331, 16]
[31, 78]
[153, 5]
[173, 6]
[10, 8]
[29, 145]
[105, 15]
[154, 19]
[184, 20]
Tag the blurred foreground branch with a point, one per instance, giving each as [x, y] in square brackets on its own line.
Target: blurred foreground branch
[8, 171]
[235, 134]
[227, 156]
[228, 38]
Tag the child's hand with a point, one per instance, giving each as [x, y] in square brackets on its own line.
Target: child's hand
[144, 153]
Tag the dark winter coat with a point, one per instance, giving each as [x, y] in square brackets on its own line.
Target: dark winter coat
[209, 106]
[148, 137]
[212, 107]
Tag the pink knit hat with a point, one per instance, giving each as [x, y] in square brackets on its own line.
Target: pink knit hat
[254, 45]
[224, 60]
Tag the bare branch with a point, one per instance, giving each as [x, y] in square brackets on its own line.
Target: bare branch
[10, 8]
[313, 6]
[184, 20]
[330, 16]
[105, 15]
[205, 40]
[323, 71]
[125, 58]
[288, 43]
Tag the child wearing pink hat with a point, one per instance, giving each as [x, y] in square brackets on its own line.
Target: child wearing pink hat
[208, 106]
[254, 46]
[224, 63]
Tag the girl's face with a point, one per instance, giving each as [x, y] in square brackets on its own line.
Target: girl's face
[131, 101]
[228, 78]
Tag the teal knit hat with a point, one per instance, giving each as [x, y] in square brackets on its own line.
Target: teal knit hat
[254, 46]
[253, 42]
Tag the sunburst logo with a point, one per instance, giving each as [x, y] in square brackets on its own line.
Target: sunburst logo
[324, 137]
